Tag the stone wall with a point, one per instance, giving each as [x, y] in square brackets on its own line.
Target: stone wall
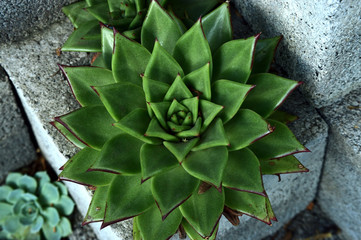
[321, 44]
[16, 146]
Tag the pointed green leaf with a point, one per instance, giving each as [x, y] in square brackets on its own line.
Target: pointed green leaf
[278, 144]
[76, 13]
[233, 60]
[192, 9]
[207, 165]
[193, 132]
[199, 82]
[162, 66]
[136, 124]
[269, 93]
[192, 105]
[171, 188]
[100, 11]
[251, 204]
[121, 98]
[107, 40]
[160, 110]
[177, 128]
[230, 95]
[217, 26]
[270, 212]
[288, 164]
[192, 50]
[245, 128]
[154, 90]
[178, 90]
[203, 211]
[181, 149]
[193, 234]
[136, 231]
[92, 125]
[76, 169]
[5, 209]
[159, 25]
[209, 111]
[283, 117]
[265, 51]
[127, 197]
[120, 155]
[81, 79]
[155, 130]
[96, 209]
[68, 135]
[175, 107]
[86, 38]
[243, 172]
[158, 229]
[155, 159]
[129, 60]
[214, 136]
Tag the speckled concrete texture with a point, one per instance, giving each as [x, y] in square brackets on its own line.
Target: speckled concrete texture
[20, 18]
[16, 147]
[321, 44]
[340, 187]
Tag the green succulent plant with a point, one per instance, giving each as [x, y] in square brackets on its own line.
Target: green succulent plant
[34, 208]
[125, 15]
[179, 129]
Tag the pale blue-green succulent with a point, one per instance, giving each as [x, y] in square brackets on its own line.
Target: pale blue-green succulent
[34, 208]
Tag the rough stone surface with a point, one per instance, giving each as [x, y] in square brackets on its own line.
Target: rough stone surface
[321, 44]
[16, 147]
[45, 94]
[340, 187]
[308, 224]
[18, 19]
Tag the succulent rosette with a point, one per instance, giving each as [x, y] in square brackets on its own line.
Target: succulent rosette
[179, 129]
[34, 208]
[125, 15]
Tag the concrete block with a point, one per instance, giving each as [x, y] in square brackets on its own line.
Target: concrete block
[18, 19]
[340, 187]
[321, 44]
[16, 147]
[45, 94]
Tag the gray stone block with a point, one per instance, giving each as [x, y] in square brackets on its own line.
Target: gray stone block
[321, 44]
[18, 19]
[16, 147]
[45, 94]
[340, 187]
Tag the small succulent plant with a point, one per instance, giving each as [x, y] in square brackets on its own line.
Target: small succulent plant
[179, 129]
[125, 15]
[34, 208]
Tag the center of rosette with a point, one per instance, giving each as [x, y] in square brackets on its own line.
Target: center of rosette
[179, 117]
